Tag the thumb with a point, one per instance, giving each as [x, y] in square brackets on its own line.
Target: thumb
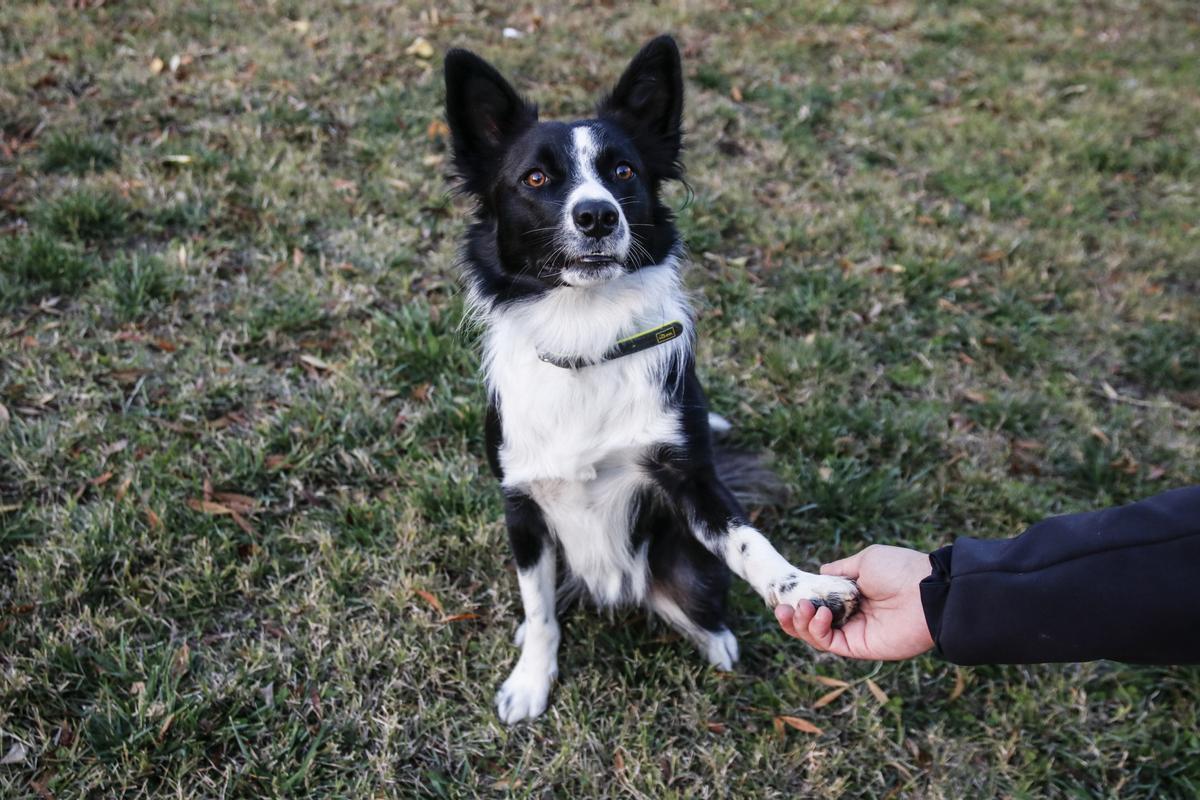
[846, 567]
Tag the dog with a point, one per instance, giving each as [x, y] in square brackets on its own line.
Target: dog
[597, 427]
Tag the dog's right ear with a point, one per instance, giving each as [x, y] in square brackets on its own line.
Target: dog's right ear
[484, 113]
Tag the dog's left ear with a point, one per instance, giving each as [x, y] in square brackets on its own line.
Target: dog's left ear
[648, 103]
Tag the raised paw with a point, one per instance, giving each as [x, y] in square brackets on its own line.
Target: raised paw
[839, 595]
[525, 694]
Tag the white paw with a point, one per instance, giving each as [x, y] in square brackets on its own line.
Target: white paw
[721, 650]
[838, 594]
[525, 694]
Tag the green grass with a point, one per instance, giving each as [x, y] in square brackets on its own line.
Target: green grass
[38, 265]
[70, 152]
[944, 258]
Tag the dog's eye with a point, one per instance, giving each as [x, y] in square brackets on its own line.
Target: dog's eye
[535, 179]
[623, 172]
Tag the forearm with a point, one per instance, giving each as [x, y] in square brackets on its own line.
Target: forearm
[1122, 584]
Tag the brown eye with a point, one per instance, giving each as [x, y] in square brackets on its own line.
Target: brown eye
[623, 172]
[535, 179]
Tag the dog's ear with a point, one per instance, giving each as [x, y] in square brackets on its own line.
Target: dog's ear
[484, 113]
[648, 103]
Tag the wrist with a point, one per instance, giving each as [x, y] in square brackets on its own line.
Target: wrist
[934, 590]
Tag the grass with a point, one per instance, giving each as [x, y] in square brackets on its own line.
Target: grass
[945, 260]
[70, 152]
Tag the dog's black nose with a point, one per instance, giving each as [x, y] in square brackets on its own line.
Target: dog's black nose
[595, 218]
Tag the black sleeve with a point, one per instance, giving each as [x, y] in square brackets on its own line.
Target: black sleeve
[1122, 583]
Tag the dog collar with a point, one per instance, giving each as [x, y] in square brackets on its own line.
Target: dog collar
[624, 347]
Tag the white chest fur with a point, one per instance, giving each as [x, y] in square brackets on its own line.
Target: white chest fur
[573, 439]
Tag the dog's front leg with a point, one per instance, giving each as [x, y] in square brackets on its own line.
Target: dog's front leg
[525, 694]
[718, 522]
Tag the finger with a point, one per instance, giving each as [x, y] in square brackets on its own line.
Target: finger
[835, 639]
[846, 567]
[785, 614]
[797, 619]
[820, 628]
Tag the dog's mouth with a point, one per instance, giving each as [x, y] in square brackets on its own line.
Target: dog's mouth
[591, 269]
[595, 261]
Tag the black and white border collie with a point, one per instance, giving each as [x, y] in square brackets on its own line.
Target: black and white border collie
[597, 427]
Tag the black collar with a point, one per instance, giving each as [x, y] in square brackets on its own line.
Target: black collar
[624, 347]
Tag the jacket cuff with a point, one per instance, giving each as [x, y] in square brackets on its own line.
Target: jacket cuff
[934, 592]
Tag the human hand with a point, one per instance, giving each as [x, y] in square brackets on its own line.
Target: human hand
[890, 623]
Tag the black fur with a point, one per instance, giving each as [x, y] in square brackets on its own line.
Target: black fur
[497, 140]
[510, 252]
[527, 532]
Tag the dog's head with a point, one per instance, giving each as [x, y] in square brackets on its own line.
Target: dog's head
[569, 203]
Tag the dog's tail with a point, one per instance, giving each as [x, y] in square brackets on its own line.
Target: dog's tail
[748, 475]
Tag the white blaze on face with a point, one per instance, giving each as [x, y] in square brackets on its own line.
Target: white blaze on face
[589, 187]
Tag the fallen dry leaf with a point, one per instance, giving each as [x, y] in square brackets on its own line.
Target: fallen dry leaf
[459, 617]
[207, 507]
[420, 48]
[829, 697]
[183, 660]
[241, 522]
[960, 683]
[1125, 463]
[315, 362]
[827, 681]
[428, 597]
[879, 693]
[797, 723]
[236, 502]
[152, 519]
[314, 700]
[507, 783]
[166, 726]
